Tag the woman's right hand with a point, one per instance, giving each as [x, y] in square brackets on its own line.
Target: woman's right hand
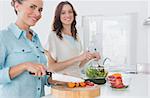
[85, 56]
[36, 69]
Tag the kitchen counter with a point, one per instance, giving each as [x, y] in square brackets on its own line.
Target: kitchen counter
[139, 88]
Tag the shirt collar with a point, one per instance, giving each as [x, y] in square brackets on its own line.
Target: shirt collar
[34, 34]
[18, 32]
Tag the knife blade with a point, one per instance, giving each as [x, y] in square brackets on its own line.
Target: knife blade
[62, 77]
[66, 78]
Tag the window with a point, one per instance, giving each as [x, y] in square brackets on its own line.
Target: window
[110, 35]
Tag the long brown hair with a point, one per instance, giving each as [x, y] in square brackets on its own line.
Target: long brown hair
[57, 24]
[13, 3]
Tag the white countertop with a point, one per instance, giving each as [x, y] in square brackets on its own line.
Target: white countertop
[139, 88]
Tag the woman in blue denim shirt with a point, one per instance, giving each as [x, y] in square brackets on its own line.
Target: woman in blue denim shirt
[21, 52]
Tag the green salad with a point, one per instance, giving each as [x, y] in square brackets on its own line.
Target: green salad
[94, 73]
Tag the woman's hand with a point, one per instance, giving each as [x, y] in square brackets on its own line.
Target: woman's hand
[89, 55]
[96, 56]
[86, 56]
[36, 69]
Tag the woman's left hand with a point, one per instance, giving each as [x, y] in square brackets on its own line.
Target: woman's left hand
[96, 56]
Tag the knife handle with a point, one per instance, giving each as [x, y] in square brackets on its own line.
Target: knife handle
[47, 73]
[31, 73]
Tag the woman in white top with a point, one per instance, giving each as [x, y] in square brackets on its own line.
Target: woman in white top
[64, 44]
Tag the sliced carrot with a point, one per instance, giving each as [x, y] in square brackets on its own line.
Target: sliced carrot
[71, 84]
[116, 75]
[82, 84]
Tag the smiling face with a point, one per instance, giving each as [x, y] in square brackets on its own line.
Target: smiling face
[29, 12]
[67, 15]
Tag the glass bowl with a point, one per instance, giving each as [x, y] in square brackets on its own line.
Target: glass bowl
[119, 80]
[96, 74]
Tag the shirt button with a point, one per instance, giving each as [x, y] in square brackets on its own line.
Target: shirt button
[22, 50]
[39, 78]
[38, 88]
[37, 47]
[38, 56]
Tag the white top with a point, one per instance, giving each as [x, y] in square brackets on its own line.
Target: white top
[64, 49]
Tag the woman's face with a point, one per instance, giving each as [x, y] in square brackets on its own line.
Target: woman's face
[67, 15]
[29, 12]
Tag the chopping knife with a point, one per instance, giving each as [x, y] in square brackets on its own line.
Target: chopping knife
[62, 77]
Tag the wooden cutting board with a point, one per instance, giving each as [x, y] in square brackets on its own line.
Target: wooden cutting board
[77, 92]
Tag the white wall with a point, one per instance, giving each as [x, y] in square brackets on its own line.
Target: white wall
[89, 7]
[148, 33]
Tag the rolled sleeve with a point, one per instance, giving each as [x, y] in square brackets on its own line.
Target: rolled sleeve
[46, 81]
[4, 76]
[4, 70]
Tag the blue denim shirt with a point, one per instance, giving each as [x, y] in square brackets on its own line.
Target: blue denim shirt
[15, 48]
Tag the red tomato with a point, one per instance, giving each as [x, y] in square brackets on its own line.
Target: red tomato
[89, 83]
